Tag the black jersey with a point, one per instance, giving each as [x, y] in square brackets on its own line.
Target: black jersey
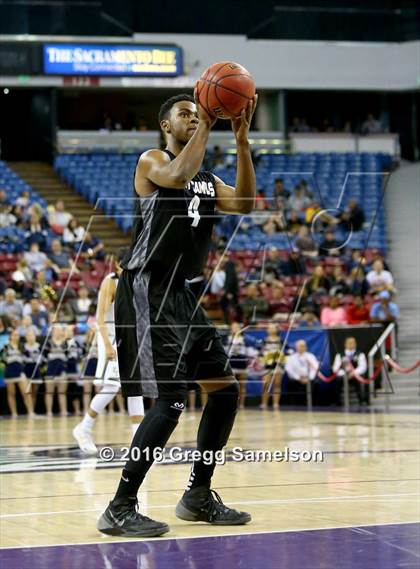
[172, 229]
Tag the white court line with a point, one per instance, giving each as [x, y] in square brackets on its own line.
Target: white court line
[107, 541]
[366, 497]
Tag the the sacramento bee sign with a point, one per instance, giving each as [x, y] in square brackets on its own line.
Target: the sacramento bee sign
[122, 60]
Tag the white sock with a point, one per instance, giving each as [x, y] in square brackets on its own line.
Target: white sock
[134, 427]
[87, 422]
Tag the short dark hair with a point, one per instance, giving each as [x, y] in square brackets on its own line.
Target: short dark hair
[169, 103]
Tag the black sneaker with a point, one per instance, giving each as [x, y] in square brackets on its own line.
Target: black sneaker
[122, 518]
[204, 505]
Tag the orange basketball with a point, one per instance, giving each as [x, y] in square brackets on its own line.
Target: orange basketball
[224, 89]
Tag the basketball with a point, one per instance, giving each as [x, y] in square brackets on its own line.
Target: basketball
[224, 89]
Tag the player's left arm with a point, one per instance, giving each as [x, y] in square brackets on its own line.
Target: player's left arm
[241, 198]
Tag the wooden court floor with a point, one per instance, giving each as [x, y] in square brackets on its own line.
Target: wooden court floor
[369, 475]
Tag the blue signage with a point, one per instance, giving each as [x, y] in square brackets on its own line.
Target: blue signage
[128, 60]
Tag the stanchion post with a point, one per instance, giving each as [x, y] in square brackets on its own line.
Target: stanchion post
[309, 395]
[346, 392]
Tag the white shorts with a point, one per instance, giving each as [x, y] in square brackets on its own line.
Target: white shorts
[106, 370]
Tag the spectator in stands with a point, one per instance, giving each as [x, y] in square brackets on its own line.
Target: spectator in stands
[330, 246]
[60, 260]
[142, 125]
[357, 282]
[59, 218]
[81, 304]
[92, 248]
[357, 313]
[279, 191]
[11, 306]
[299, 201]
[356, 260]
[294, 222]
[274, 225]
[73, 233]
[384, 310]
[26, 325]
[7, 218]
[379, 279]
[3, 198]
[319, 283]
[36, 231]
[254, 306]
[308, 318]
[272, 263]
[371, 125]
[293, 266]
[377, 256]
[36, 259]
[334, 314]
[338, 282]
[353, 217]
[305, 244]
[229, 302]
[311, 211]
[218, 278]
[38, 313]
[21, 284]
[259, 217]
[24, 199]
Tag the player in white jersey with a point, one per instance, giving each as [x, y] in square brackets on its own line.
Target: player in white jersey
[107, 373]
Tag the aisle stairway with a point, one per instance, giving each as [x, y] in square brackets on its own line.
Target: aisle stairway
[402, 203]
[47, 183]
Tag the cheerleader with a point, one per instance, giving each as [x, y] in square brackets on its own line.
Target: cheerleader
[56, 378]
[74, 354]
[33, 360]
[271, 357]
[238, 358]
[13, 358]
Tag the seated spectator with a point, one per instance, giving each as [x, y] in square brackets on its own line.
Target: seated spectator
[308, 318]
[293, 266]
[229, 302]
[58, 217]
[24, 199]
[21, 285]
[60, 261]
[384, 310]
[299, 200]
[377, 256]
[36, 259]
[334, 314]
[218, 278]
[353, 217]
[305, 244]
[302, 366]
[371, 125]
[379, 279]
[81, 304]
[254, 306]
[36, 231]
[7, 218]
[356, 260]
[261, 197]
[260, 215]
[92, 248]
[319, 283]
[279, 190]
[357, 313]
[26, 326]
[311, 211]
[330, 246]
[338, 282]
[274, 225]
[11, 306]
[294, 222]
[73, 233]
[357, 283]
[38, 313]
[272, 264]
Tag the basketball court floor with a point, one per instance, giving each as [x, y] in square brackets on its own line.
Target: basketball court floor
[357, 505]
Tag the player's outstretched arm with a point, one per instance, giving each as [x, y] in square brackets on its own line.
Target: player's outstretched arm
[158, 169]
[240, 199]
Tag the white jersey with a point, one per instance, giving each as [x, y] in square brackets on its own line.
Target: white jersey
[107, 370]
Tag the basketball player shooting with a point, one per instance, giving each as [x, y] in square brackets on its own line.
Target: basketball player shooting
[165, 340]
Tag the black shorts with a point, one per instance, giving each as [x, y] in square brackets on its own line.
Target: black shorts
[165, 341]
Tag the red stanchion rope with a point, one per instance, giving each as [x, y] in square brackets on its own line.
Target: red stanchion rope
[359, 378]
[400, 369]
[326, 378]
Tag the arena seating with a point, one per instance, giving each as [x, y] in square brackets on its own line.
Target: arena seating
[108, 178]
[12, 239]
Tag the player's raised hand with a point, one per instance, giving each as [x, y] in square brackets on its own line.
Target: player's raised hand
[203, 115]
[241, 124]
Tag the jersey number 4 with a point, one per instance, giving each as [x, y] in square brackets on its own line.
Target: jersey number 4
[193, 211]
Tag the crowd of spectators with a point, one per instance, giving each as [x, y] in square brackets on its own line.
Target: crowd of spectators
[370, 125]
